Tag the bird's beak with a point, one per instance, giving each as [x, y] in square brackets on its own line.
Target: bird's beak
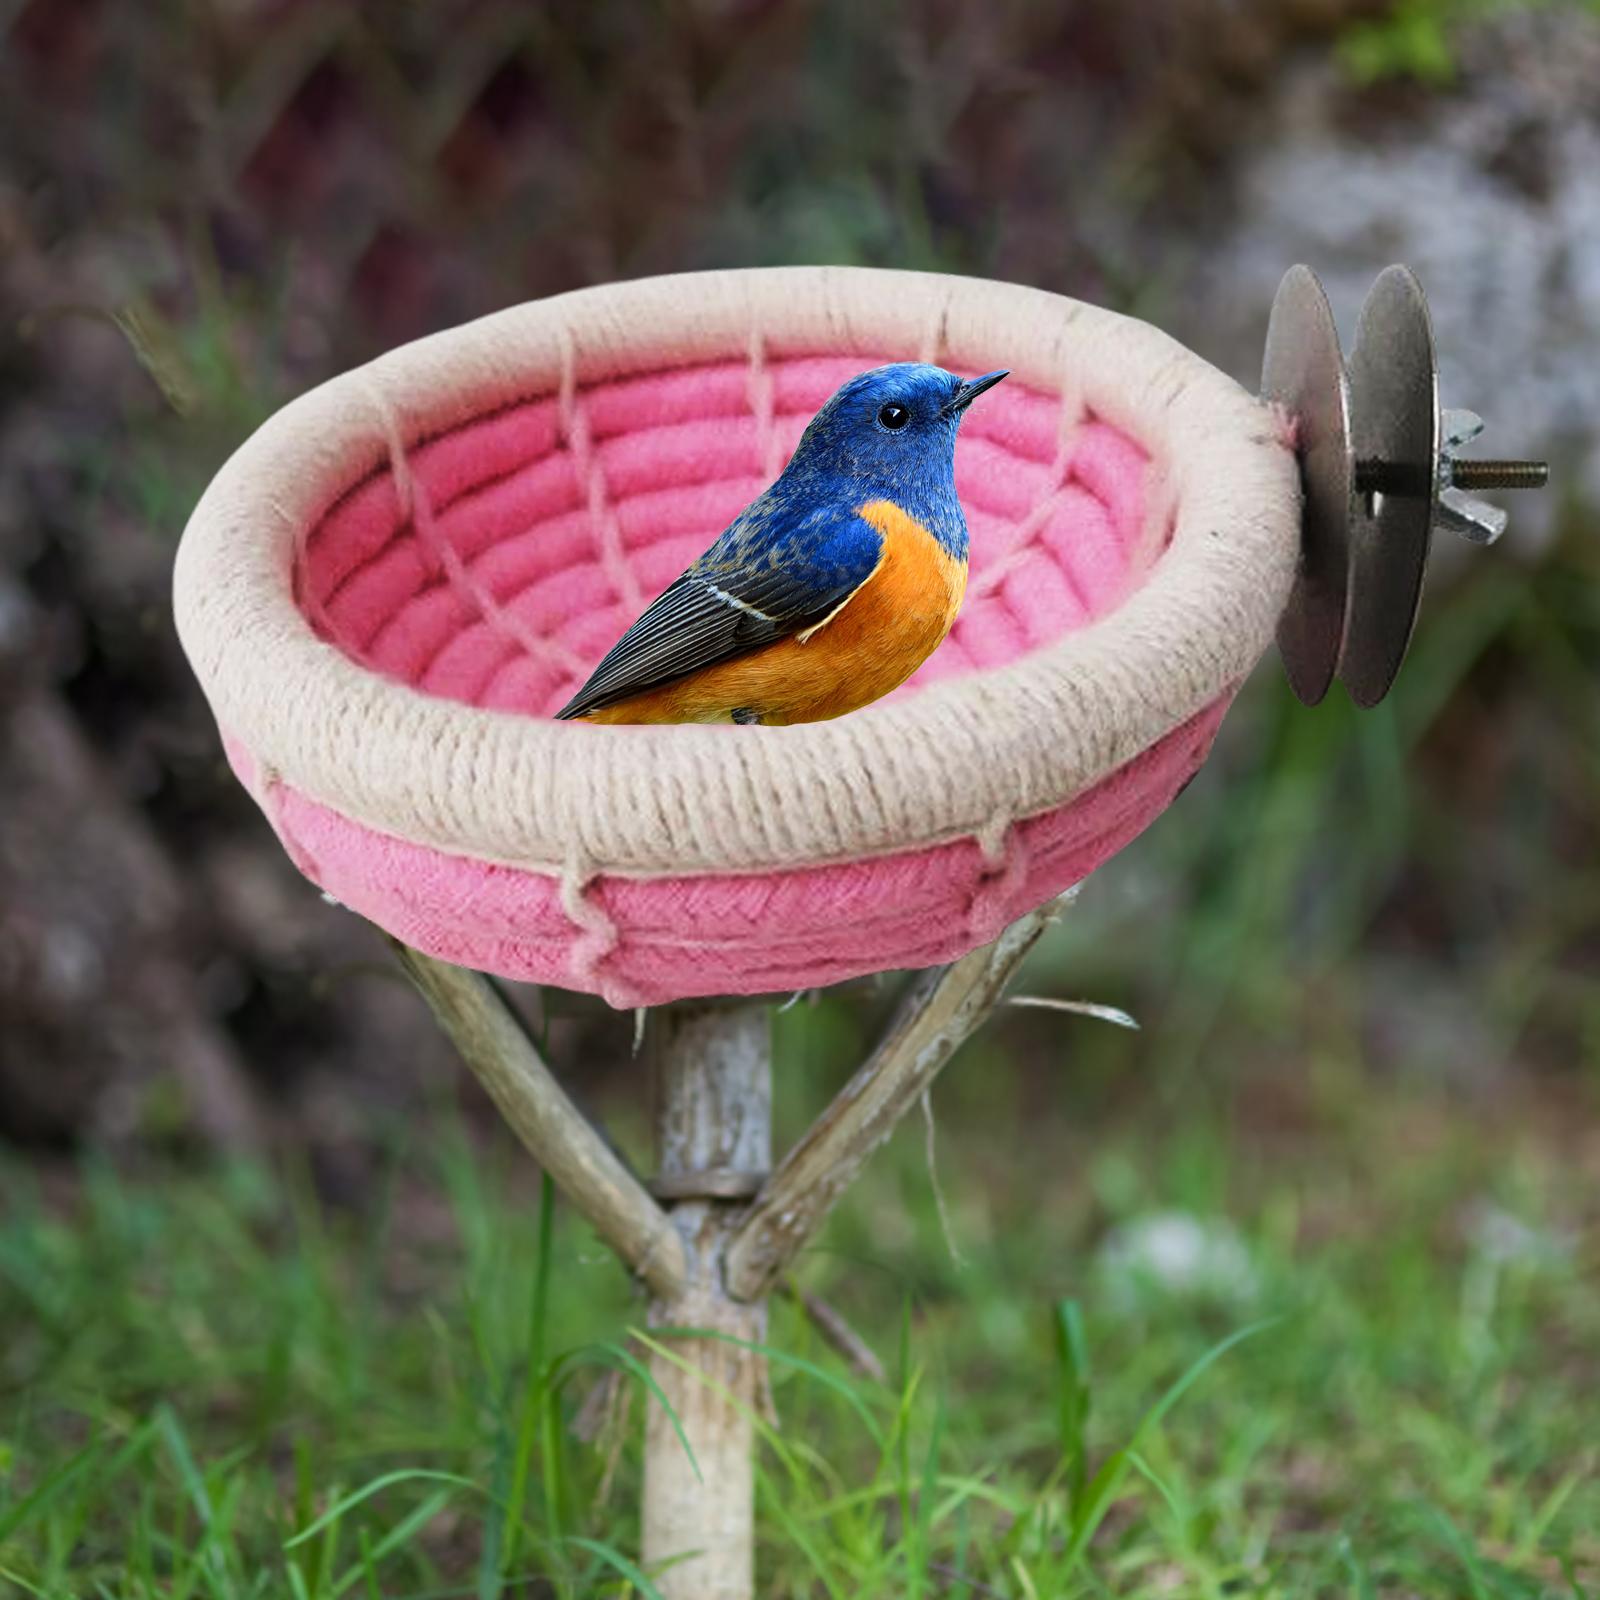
[968, 392]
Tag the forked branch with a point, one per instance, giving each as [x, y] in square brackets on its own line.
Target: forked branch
[583, 1167]
[942, 1007]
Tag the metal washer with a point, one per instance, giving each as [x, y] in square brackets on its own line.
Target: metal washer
[1303, 371]
[1394, 412]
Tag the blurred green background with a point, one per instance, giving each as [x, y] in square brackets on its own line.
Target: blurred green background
[263, 1247]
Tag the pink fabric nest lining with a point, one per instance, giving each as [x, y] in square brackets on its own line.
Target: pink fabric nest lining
[536, 534]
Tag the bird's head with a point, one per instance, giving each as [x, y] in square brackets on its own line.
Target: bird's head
[894, 425]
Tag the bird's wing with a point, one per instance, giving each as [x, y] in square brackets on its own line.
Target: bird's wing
[761, 581]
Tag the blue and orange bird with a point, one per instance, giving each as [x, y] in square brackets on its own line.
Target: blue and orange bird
[829, 589]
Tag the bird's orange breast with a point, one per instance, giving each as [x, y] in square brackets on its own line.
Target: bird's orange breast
[876, 639]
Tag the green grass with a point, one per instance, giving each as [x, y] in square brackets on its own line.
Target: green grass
[212, 1386]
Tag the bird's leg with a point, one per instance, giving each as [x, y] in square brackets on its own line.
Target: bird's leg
[745, 717]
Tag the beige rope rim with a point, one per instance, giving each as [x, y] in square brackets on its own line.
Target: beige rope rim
[964, 756]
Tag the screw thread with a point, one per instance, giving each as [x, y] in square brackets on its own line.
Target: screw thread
[1486, 474]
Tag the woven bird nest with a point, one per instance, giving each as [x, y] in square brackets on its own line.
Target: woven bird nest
[392, 586]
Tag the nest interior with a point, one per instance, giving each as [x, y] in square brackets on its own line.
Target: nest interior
[506, 555]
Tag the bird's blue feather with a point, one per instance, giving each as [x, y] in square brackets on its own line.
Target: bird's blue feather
[846, 459]
[801, 548]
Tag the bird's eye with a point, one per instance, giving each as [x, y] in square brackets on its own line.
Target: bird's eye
[893, 416]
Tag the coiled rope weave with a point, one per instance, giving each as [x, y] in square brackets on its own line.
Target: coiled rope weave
[390, 586]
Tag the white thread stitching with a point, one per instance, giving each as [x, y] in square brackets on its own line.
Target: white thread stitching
[416, 509]
[575, 432]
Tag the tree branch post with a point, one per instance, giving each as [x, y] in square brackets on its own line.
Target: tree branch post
[580, 1163]
[714, 1145]
[941, 1008]
[728, 1230]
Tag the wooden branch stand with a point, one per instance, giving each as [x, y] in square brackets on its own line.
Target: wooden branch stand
[718, 1231]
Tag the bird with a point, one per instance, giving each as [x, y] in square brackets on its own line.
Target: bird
[829, 589]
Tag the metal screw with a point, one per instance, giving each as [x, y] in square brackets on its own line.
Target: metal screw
[1455, 476]
[1499, 474]
[1476, 520]
[1385, 477]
